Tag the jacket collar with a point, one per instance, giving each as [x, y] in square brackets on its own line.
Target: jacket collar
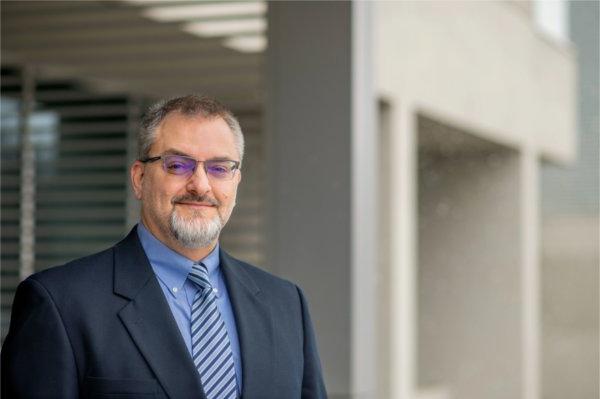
[254, 322]
[132, 268]
[150, 322]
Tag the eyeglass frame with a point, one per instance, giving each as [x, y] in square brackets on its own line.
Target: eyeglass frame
[236, 165]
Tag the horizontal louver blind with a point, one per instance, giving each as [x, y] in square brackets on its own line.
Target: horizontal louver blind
[81, 172]
[79, 139]
[10, 209]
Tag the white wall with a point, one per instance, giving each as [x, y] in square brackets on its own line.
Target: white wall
[482, 65]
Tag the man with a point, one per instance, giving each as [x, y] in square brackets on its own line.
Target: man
[166, 312]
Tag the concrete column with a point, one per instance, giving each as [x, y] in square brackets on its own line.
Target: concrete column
[402, 192]
[321, 179]
[530, 276]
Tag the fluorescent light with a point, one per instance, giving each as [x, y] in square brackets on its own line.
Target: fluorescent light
[226, 27]
[194, 11]
[247, 44]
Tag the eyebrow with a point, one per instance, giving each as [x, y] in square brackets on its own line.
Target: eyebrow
[173, 151]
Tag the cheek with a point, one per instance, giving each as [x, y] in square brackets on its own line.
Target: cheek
[157, 194]
[227, 199]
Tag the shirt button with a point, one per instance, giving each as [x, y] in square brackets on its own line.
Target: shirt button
[216, 291]
[175, 289]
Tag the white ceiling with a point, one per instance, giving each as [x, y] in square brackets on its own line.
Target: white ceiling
[114, 48]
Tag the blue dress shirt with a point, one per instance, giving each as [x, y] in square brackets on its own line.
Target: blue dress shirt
[172, 269]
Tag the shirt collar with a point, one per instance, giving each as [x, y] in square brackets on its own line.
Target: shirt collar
[171, 267]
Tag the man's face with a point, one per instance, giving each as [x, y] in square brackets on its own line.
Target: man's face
[187, 210]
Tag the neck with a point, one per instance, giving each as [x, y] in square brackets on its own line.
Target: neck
[194, 254]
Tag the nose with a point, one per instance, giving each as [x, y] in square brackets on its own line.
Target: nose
[198, 182]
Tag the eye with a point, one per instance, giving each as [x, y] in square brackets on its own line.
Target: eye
[218, 169]
[175, 166]
[178, 165]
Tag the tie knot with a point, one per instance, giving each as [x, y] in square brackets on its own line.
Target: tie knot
[199, 276]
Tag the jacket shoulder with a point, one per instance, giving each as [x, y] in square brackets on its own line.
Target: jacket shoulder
[88, 269]
[91, 268]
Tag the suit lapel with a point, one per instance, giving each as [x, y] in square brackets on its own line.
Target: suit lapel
[150, 322]
[254, 326]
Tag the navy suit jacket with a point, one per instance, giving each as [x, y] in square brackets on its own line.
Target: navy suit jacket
[100, 327]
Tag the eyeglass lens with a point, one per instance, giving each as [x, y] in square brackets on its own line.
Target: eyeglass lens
[180, 165]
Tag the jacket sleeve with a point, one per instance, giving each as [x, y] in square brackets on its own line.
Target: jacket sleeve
[313, 386]
[37, 357]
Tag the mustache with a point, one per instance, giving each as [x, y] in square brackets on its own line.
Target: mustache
[196, 198]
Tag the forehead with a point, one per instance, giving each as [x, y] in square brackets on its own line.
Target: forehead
[196, 136]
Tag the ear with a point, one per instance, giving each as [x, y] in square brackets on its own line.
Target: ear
[137, 177]
[238, 176]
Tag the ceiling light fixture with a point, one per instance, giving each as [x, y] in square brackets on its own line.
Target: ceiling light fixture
[226, 27]
[246, 44]
[210, 10]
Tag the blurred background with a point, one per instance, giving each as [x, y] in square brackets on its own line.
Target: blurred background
[428, 171]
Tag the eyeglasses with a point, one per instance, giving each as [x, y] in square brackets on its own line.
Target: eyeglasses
[181, 165]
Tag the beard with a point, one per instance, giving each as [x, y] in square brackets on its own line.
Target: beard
[195, 231]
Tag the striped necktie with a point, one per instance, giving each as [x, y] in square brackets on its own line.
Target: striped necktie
[211, 349]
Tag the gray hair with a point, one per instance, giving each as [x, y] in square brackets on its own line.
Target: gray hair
[190, 105]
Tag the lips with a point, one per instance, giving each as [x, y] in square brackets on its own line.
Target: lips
[196, 204]
[195, 201]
